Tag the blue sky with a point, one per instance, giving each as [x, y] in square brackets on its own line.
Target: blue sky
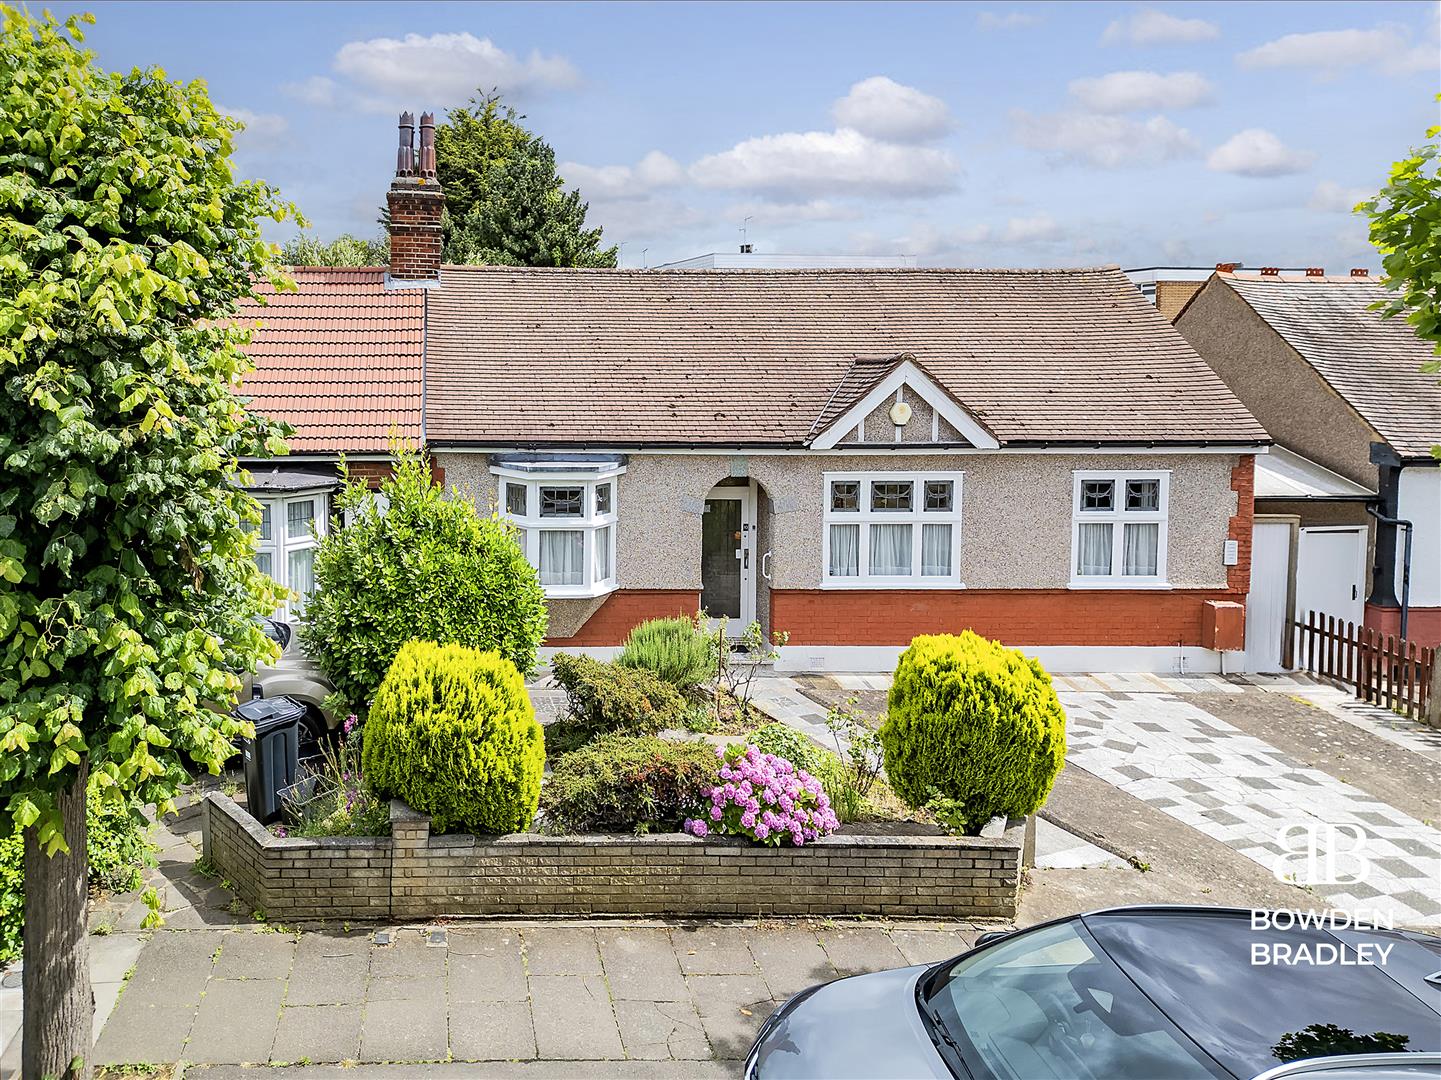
[965, 134]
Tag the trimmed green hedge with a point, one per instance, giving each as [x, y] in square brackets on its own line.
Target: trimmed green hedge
[975, 722]
[605, 697]
[628, 783]
[672, 649]
[453, 734]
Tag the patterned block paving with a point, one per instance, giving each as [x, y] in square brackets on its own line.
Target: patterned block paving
[1244, 792]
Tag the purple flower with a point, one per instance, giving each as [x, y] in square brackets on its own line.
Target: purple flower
[699, 828]
[349, 725]
[762, 832]
[716, 813]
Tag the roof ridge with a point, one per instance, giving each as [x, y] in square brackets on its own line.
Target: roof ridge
[794, 271]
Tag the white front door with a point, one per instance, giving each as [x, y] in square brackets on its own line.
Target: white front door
[1331, 573]
[728, 557]
[1266, 608]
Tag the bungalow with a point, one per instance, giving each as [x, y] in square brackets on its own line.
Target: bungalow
[851, 456]
[1355, 531]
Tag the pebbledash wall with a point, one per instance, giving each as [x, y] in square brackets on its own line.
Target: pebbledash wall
[414, 875]
[1015, 558]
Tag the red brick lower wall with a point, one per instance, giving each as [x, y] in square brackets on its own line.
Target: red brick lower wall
[624, 610]
[1423, 624]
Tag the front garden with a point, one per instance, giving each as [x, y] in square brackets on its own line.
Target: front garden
[659, 759]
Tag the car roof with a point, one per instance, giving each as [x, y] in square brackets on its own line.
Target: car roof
[1358, 1067]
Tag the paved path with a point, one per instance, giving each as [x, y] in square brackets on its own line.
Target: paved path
[476, 992]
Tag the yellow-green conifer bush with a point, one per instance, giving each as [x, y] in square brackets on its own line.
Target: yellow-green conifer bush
[453, 734]
[973, 722]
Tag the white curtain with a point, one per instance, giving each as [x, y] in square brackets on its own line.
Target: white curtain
[562, 557]
[1093, 555]
[300, 565]
[845, 550]
[1139, 549]
[935, 550]
[891, 550]
[602, 554]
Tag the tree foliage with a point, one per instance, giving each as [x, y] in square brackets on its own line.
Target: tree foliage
[128, 588]
[344, 250]
[505, 202]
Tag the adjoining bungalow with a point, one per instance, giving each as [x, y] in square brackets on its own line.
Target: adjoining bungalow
[1342, 389]
[852, 457]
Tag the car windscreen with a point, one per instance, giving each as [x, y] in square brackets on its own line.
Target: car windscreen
[1256, 997]
[1049, 1003]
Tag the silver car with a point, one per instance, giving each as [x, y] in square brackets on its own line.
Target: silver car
[294, 675]
[1144, 993]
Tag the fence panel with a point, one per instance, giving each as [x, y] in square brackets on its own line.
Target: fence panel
[1378, 668]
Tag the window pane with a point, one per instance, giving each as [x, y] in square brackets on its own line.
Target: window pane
[562, 502]
[1098, 494]
[936, 550]
[1143, 494]
[845, 551]
[562, 557]
[845, 494]
[1139, 549]
[939, 494]
[602, 554]
[602, 499]
[264, 560]
[891, 550]
[299, 517]
[891, 495]
[265, 525]
[300, 565]
[1093, 549]
[515, 499]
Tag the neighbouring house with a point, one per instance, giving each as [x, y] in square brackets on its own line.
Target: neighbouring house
[852, 457]
[1341, 388]
[749, 259]
[1170, 288]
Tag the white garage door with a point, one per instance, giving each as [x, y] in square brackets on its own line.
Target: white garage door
[1266, 611]
[1331, 574]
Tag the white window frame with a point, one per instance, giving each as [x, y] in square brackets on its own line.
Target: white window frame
[1119, 516]
[590, 524]
[917, 516]
[281, 543]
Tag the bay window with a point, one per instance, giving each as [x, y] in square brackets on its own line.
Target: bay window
[566, 516]
[1118, 529]
[899, 530]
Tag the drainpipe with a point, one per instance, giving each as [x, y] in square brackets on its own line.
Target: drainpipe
[1383, 584]
[1390, 564]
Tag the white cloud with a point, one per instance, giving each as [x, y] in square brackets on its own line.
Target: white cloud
[1006, 20]
[1130, 91]
[262, 130]
[1111, 142]
[1151, 27]
[792, 213]
[966, 243]
[1333, 198]
[1329, 52]
[655, 170]
[431, 72]
[812, 163]
[884, 109]
[1257, 152]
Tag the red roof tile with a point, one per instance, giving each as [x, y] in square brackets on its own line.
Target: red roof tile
[340, 359]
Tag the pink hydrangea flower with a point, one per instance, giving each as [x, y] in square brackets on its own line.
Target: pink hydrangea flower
[765, 798]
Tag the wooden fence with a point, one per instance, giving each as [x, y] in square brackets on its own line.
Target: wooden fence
[1380, 668]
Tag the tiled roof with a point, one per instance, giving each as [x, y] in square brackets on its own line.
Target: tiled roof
[340, 359]
[1372, 362]
[726, 358]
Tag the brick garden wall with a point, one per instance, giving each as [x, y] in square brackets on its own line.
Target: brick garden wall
[414, 875]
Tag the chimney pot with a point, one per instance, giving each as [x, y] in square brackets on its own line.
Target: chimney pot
[405, 155]
[1315, 271]
[1270, 271]
[427, 145]
[1360, 271]
[416, 203]
[1226, 268]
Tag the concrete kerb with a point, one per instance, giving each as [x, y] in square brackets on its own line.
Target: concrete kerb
[412, 875]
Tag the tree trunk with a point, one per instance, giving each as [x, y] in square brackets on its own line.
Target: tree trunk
[59, 1006]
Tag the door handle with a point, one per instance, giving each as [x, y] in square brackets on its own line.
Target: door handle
[766, 566]
[746, 559]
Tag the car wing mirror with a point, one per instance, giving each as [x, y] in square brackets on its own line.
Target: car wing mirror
[993, 935]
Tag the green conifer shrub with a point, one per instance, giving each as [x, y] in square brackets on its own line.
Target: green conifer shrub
[606, 697]
[670, 648]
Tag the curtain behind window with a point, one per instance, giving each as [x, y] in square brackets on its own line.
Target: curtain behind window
[562, 557]
[845, 551]
[1140, 549]
[1093, 554]
[891, 550]
[935, 550]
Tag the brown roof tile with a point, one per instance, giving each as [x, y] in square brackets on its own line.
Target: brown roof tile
[1372, 362]
[340, 359]
[629, 357]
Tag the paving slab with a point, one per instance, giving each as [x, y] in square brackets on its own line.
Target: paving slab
[317, 1033]
[409, 955]
[492, 1070]
[732, 1008]
[662, 1030]
[561, 950]
[932, 946]
[429, 990]
[573, 1017]
[403, 1030]
[641, 965]
[495, 976]
[491, 1031]
[713, 950]
[323, 977]
[142, 1032]
[236, 1021]
[856, 950]
[790, 958]
[173, 967]
[248, 954]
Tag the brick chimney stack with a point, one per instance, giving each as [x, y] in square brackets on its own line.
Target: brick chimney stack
[415, 202]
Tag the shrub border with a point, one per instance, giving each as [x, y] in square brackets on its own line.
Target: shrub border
[414, 875]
